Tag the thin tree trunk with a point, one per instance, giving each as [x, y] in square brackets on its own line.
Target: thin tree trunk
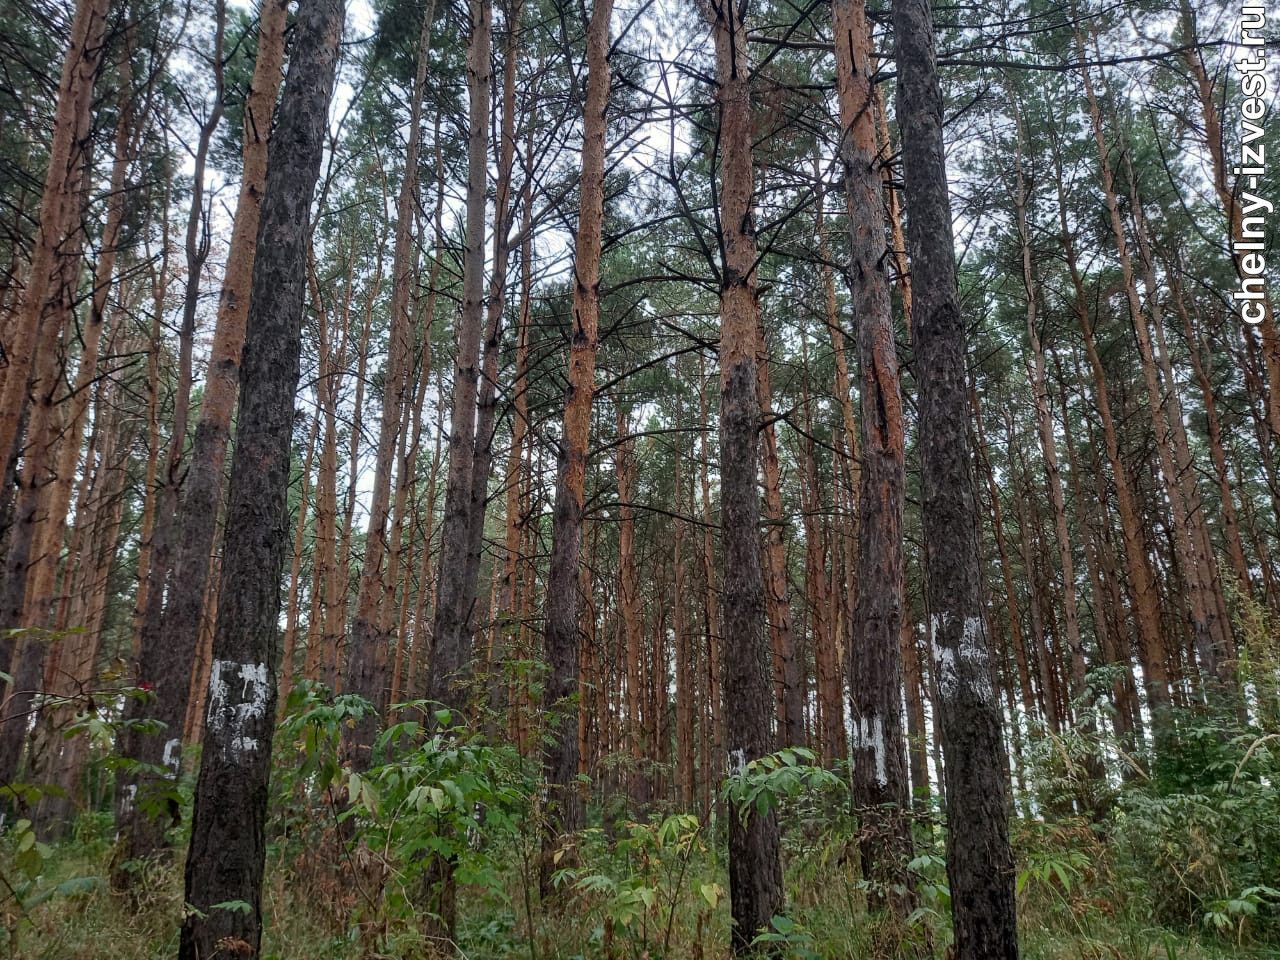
[825, 630]
[156, 653]
[98, 516]
[1014, 613]
[1199, 357]
[517, 473]
[1145, 602]
[293, 601]
[495, 306]
[917, 748]
[630, 612]
[713, 717]
[160, 283]
[1203, 613]
[30, 502]
[367, 675]
[451, 641]
[323, 634]
[43, 573]
[1044, 421]
[334, 676]
[1259, 312]
[785, 671]
[1102, 580]
[686, 693]
[560, 756]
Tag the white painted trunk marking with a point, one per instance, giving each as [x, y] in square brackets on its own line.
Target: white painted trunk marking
[868, 734]
[237, 700]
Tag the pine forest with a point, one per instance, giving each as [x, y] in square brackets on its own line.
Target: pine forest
[639, 480]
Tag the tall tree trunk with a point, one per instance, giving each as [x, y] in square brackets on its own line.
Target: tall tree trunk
[917, 748]
[755, 865]
[228, 842]
[1044, 418]
[825, 626]
[880, 781]
[1200, 357]
[1012, 608]
[333, 674]
[848, 455]
[713, 717]
[517, 478]
[789, 696]
[979, 859]
[451, 652]
[166, 531]
[71, 677]
[39, 459]
[1028, 517]
[293, 595]
[1205, 629]
[170, 634]
[450, 665]
[1210, 130]
[1102, 579]
[686, 692]
[1145, 601]
[560, 756]
[407, 515]
[1185, 470]
[43, 574]
[495, 307]
[60, 209]
[324, 631]
[159, 294]
[367, 675]
[630, 611]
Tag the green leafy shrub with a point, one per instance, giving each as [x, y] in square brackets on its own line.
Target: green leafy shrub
[1207, 830]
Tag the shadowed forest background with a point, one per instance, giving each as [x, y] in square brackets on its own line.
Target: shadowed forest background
[663, 480]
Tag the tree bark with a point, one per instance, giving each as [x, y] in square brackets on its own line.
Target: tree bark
[560, 756]
[979, 858]
[228, 843]
[789, 696]
[168, 652]
[880, 780]
[755, 865]
[60, 208]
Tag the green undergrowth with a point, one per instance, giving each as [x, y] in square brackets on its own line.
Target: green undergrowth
[1179, 861]
[651, 890]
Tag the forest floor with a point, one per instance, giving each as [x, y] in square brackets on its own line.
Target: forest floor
[1069, 911]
